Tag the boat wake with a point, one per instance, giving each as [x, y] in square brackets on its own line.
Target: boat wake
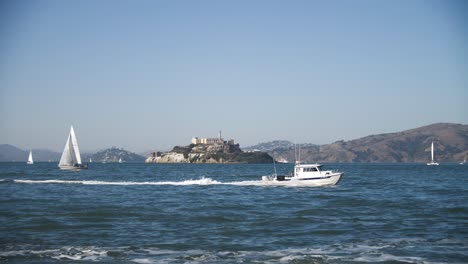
[202, 181]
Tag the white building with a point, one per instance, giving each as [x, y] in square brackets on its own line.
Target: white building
[211, 141]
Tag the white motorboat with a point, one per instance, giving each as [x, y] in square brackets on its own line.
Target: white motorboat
[432, 163]
[71, 158]
[308, 174]
[30, 159]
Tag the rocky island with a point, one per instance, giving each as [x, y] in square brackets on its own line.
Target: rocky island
[209, 150]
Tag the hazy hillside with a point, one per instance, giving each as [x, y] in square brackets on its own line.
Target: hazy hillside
[12, 153]
[113, 155]
[276, 144]
[269, 146]
[450, 140]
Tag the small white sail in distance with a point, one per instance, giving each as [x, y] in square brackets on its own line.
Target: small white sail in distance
[432, 156]
[30, 158]
[71, 153]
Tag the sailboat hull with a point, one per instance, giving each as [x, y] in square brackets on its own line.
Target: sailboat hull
[74, 167]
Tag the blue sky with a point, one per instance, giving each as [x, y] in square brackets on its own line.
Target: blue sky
[147, 75]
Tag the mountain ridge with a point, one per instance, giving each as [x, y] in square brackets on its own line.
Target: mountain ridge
[413, 145]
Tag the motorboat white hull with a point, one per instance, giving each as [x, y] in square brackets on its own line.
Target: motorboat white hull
[322, 180]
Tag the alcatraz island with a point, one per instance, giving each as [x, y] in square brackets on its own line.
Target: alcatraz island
[209, 150]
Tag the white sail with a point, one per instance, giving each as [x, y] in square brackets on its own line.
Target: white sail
[76, 150]
[432, 156]
[432, 151]
[30, 158]
[71, 153]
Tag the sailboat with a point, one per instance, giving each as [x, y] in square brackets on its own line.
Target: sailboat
[71, 158]
[463, 162]
[432, 163]
[120, 160]
[30, 159]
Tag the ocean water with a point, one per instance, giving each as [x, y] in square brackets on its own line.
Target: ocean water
[224, 213]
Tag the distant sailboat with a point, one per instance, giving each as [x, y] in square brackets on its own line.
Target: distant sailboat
[120, 160]
[432, 163]
[71, 158]
[463, 162]
[30, 159]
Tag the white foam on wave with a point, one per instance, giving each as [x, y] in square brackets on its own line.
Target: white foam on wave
[373, 258]
[91, 254]
[47, 181]
[65, 253]
[143, 260]
[202, 181]
[365, 251]
[15, 253]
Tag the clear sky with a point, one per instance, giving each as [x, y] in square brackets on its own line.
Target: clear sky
[147, 75]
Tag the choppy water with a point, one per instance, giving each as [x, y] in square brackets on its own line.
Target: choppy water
[155, 213]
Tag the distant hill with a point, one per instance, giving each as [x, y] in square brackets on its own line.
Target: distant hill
[113, 155]
[12, 153]
[450, 140]
[275, 144]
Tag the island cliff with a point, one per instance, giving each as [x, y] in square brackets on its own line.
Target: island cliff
[204, 150]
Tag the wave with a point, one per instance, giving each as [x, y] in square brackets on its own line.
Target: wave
[365, 251]
[202, 181]
[64, 253]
